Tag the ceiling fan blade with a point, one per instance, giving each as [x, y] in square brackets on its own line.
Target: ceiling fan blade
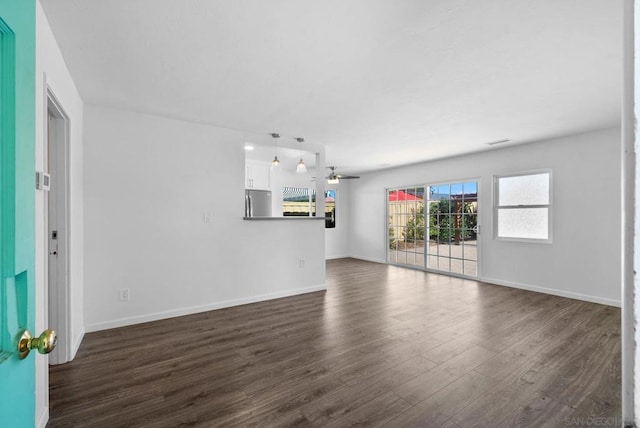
[334, 176]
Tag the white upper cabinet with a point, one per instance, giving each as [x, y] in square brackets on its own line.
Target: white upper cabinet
[257, 175]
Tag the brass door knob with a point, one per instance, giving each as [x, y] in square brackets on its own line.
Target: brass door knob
[45, 343]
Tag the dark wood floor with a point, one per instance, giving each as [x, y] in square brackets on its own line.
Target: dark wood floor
[383, 346]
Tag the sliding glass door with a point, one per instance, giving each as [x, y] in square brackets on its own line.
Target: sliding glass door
[434, 227]
[452, 213]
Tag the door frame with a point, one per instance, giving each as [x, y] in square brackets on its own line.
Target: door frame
[57, 292]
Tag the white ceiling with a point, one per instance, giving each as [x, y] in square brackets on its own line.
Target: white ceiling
[375, 81]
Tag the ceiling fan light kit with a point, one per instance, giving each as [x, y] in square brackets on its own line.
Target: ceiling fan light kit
[334, 178]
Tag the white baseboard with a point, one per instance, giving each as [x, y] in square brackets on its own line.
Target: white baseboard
[368, 259]
[333, 257]
[122, 322]
[42, 420]
[554, 292]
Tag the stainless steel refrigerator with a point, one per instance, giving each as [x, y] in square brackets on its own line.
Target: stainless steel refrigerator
[257, 203]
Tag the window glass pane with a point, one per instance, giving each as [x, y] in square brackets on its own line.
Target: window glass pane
[456, 250]
[445, 234]
[531, 223]
[471, 188]
[407, 193]
[469, 223]
[470, 202]
[456, 189]
[456, 266]
[401, 233]
[409, 258]
[413, 194]
[432, 247]
[330, 208]
[444, 221]
[470, 268]
[443, 249]
[524, 190]
[432, 262]
[470, 252]
[456, 207]
[295, 201]
[441, 192]
[456, 219]
[443, 264]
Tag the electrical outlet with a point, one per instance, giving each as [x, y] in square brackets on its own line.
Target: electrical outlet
[123, 295]
[301, 264]
[207, 216]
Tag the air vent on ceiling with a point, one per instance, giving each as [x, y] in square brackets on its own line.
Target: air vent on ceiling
[493, 143]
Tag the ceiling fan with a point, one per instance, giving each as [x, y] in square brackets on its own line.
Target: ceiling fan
[334, 178]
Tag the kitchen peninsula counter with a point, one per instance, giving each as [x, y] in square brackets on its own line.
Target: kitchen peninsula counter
[284, 218]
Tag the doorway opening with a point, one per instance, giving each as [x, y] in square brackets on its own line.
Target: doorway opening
[57, 228]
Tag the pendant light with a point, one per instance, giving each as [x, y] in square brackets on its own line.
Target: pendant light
[301, 168]
[275, 161]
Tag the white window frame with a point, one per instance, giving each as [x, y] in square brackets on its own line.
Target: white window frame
[497, 208]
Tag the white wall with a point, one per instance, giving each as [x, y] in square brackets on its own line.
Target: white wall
[49, 60]
[583, 260]
[149, 184]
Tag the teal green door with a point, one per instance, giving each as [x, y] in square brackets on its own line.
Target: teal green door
[17, 212]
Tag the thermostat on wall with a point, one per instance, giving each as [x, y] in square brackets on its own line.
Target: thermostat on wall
[43, 181]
